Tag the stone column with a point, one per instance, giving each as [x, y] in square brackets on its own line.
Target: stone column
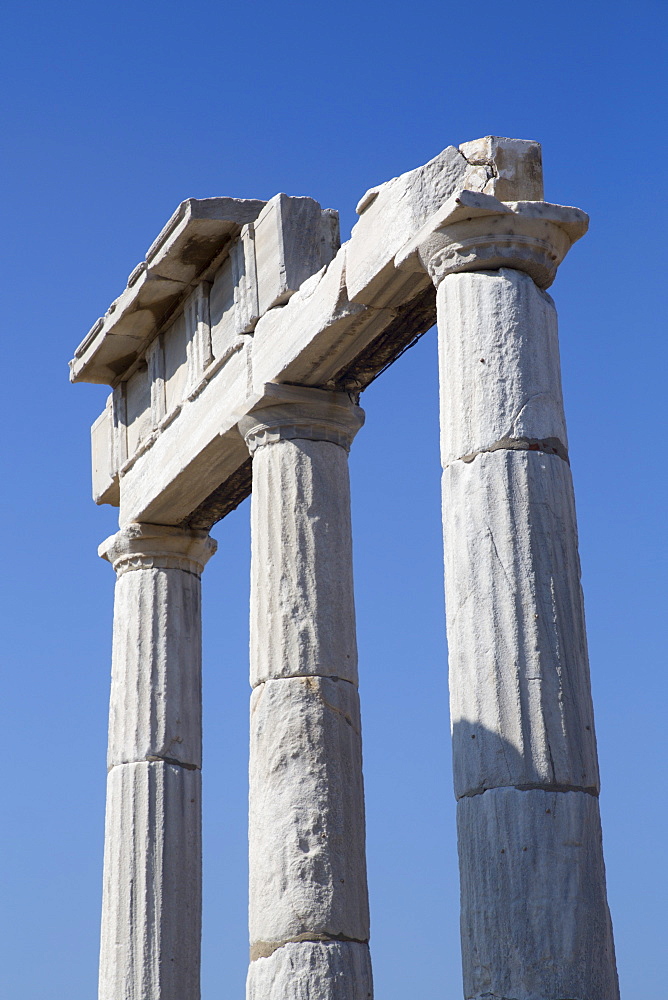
[151, 907]
[535, 921]
[309, 917]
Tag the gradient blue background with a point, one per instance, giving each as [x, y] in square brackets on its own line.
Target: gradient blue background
[114, 113]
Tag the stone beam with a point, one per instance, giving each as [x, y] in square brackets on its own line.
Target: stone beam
[167, 449]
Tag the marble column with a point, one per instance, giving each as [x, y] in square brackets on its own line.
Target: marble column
[535, 922]
[151, 909]
[309, 916]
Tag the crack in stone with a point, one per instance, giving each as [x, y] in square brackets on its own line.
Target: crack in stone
[550, 446]
[264, 949]
[156, 760]
[534, 786]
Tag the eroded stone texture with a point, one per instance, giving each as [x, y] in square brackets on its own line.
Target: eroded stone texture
[499, 360]
[307, 861]
[515, 165]
[306, 821]
[156, 689]
[151, 905]
[151, 908]
[312, 971]
[535, 923]
[393, 212]
[520, 941]
[302, 607]
[156, 698]
[519, 680]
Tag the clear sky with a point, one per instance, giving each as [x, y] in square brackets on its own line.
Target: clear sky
[113, 114]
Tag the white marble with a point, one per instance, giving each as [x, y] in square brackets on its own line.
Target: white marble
[151, 903]
[499, 365]
[535, 923]
[306, 819]
[312, 971]
[520, 701]
[535, 920]
[473, 231]
[151, 906]
[515, 166]
[187, 379]
[302, 607]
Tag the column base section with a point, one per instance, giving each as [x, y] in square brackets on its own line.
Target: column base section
[312, 970]
[535, 921]
[151, 910]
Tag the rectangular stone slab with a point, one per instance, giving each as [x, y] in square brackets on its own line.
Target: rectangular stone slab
[306, 822]
[535, 921]
[520, 696]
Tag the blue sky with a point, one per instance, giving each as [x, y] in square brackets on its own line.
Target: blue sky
[112, 114]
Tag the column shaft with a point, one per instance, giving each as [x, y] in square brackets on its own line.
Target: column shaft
[151, 910]
[309, 919]
[535, 921]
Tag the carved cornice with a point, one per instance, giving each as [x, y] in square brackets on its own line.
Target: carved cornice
[288, 412]
[157, 546]
[477, 232]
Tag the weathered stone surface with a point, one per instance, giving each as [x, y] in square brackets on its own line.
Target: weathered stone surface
[289, 247]
[105, 473]
[472, 231]
[317, 333]
[156, 689]
[152, 863]
[312, 971]
[535, 921]
[499, 365]
[390, 215]
[302, 606]
[152, 884]
[520, 698]
[165, 480]
[306, 825]
[360, 308]
[194, 236]
[516, 166]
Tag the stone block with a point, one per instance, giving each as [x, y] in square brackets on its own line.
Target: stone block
[105, 473]
[289, 246]
[520, 698]
[312, 970]
[535, 921]
[302, 607]
[194, 236]
[306, 819]
[166, 482]
[138, 408]
[516, 166]
[317, 333]
[156, 689]
[390, 215]
[499, 364]
[152, 883]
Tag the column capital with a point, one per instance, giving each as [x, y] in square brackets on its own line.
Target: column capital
[477, 232]
[157, 546]
[286, 412]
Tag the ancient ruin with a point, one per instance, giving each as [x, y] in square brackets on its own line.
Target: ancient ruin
[236, 356]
